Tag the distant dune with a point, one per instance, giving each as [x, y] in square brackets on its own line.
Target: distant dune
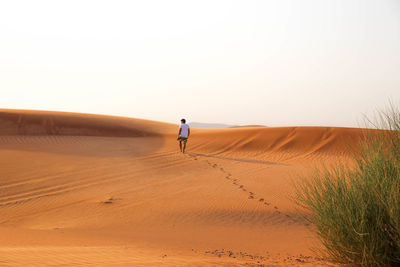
[220, 125]
[247, 126]
[208, 125]
[25, 122]
[90, 190]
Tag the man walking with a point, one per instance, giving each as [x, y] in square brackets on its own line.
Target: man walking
[183, 135]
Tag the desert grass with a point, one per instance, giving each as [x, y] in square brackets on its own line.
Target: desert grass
[356, 208]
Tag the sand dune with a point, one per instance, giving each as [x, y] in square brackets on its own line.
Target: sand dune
[26, 122]
[89, 190]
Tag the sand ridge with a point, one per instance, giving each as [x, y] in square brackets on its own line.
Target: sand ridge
[89, 190]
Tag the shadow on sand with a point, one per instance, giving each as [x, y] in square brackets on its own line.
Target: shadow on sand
[239, 160]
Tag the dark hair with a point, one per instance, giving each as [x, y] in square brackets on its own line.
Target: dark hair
[183, 120]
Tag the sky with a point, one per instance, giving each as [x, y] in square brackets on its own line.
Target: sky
[276, 63]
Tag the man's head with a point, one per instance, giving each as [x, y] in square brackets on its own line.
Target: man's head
[183, 121]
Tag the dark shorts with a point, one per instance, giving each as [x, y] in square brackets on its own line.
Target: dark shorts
[182, 139]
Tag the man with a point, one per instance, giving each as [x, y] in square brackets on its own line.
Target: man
[183, 135]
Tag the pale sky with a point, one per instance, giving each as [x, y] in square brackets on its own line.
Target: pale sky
[277, 63]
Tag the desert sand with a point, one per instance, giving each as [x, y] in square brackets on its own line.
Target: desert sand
[91, 190]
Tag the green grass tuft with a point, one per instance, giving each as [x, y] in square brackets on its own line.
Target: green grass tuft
[356, 209]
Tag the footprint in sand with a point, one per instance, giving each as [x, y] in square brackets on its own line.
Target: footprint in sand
[109, 201]
[235, 182]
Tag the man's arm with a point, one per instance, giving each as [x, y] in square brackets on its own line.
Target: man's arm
[180, 129]
[188, 132]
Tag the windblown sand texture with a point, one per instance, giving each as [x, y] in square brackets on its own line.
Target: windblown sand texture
[89, 190]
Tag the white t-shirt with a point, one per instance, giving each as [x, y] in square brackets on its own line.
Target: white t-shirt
[184, 130]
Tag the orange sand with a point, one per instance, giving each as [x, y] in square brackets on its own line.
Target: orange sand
[88, 190]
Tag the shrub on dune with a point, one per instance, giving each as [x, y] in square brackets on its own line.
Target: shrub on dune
[356, 209]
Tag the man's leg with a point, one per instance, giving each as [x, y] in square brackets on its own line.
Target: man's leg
[180, 145]
[184, 147]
